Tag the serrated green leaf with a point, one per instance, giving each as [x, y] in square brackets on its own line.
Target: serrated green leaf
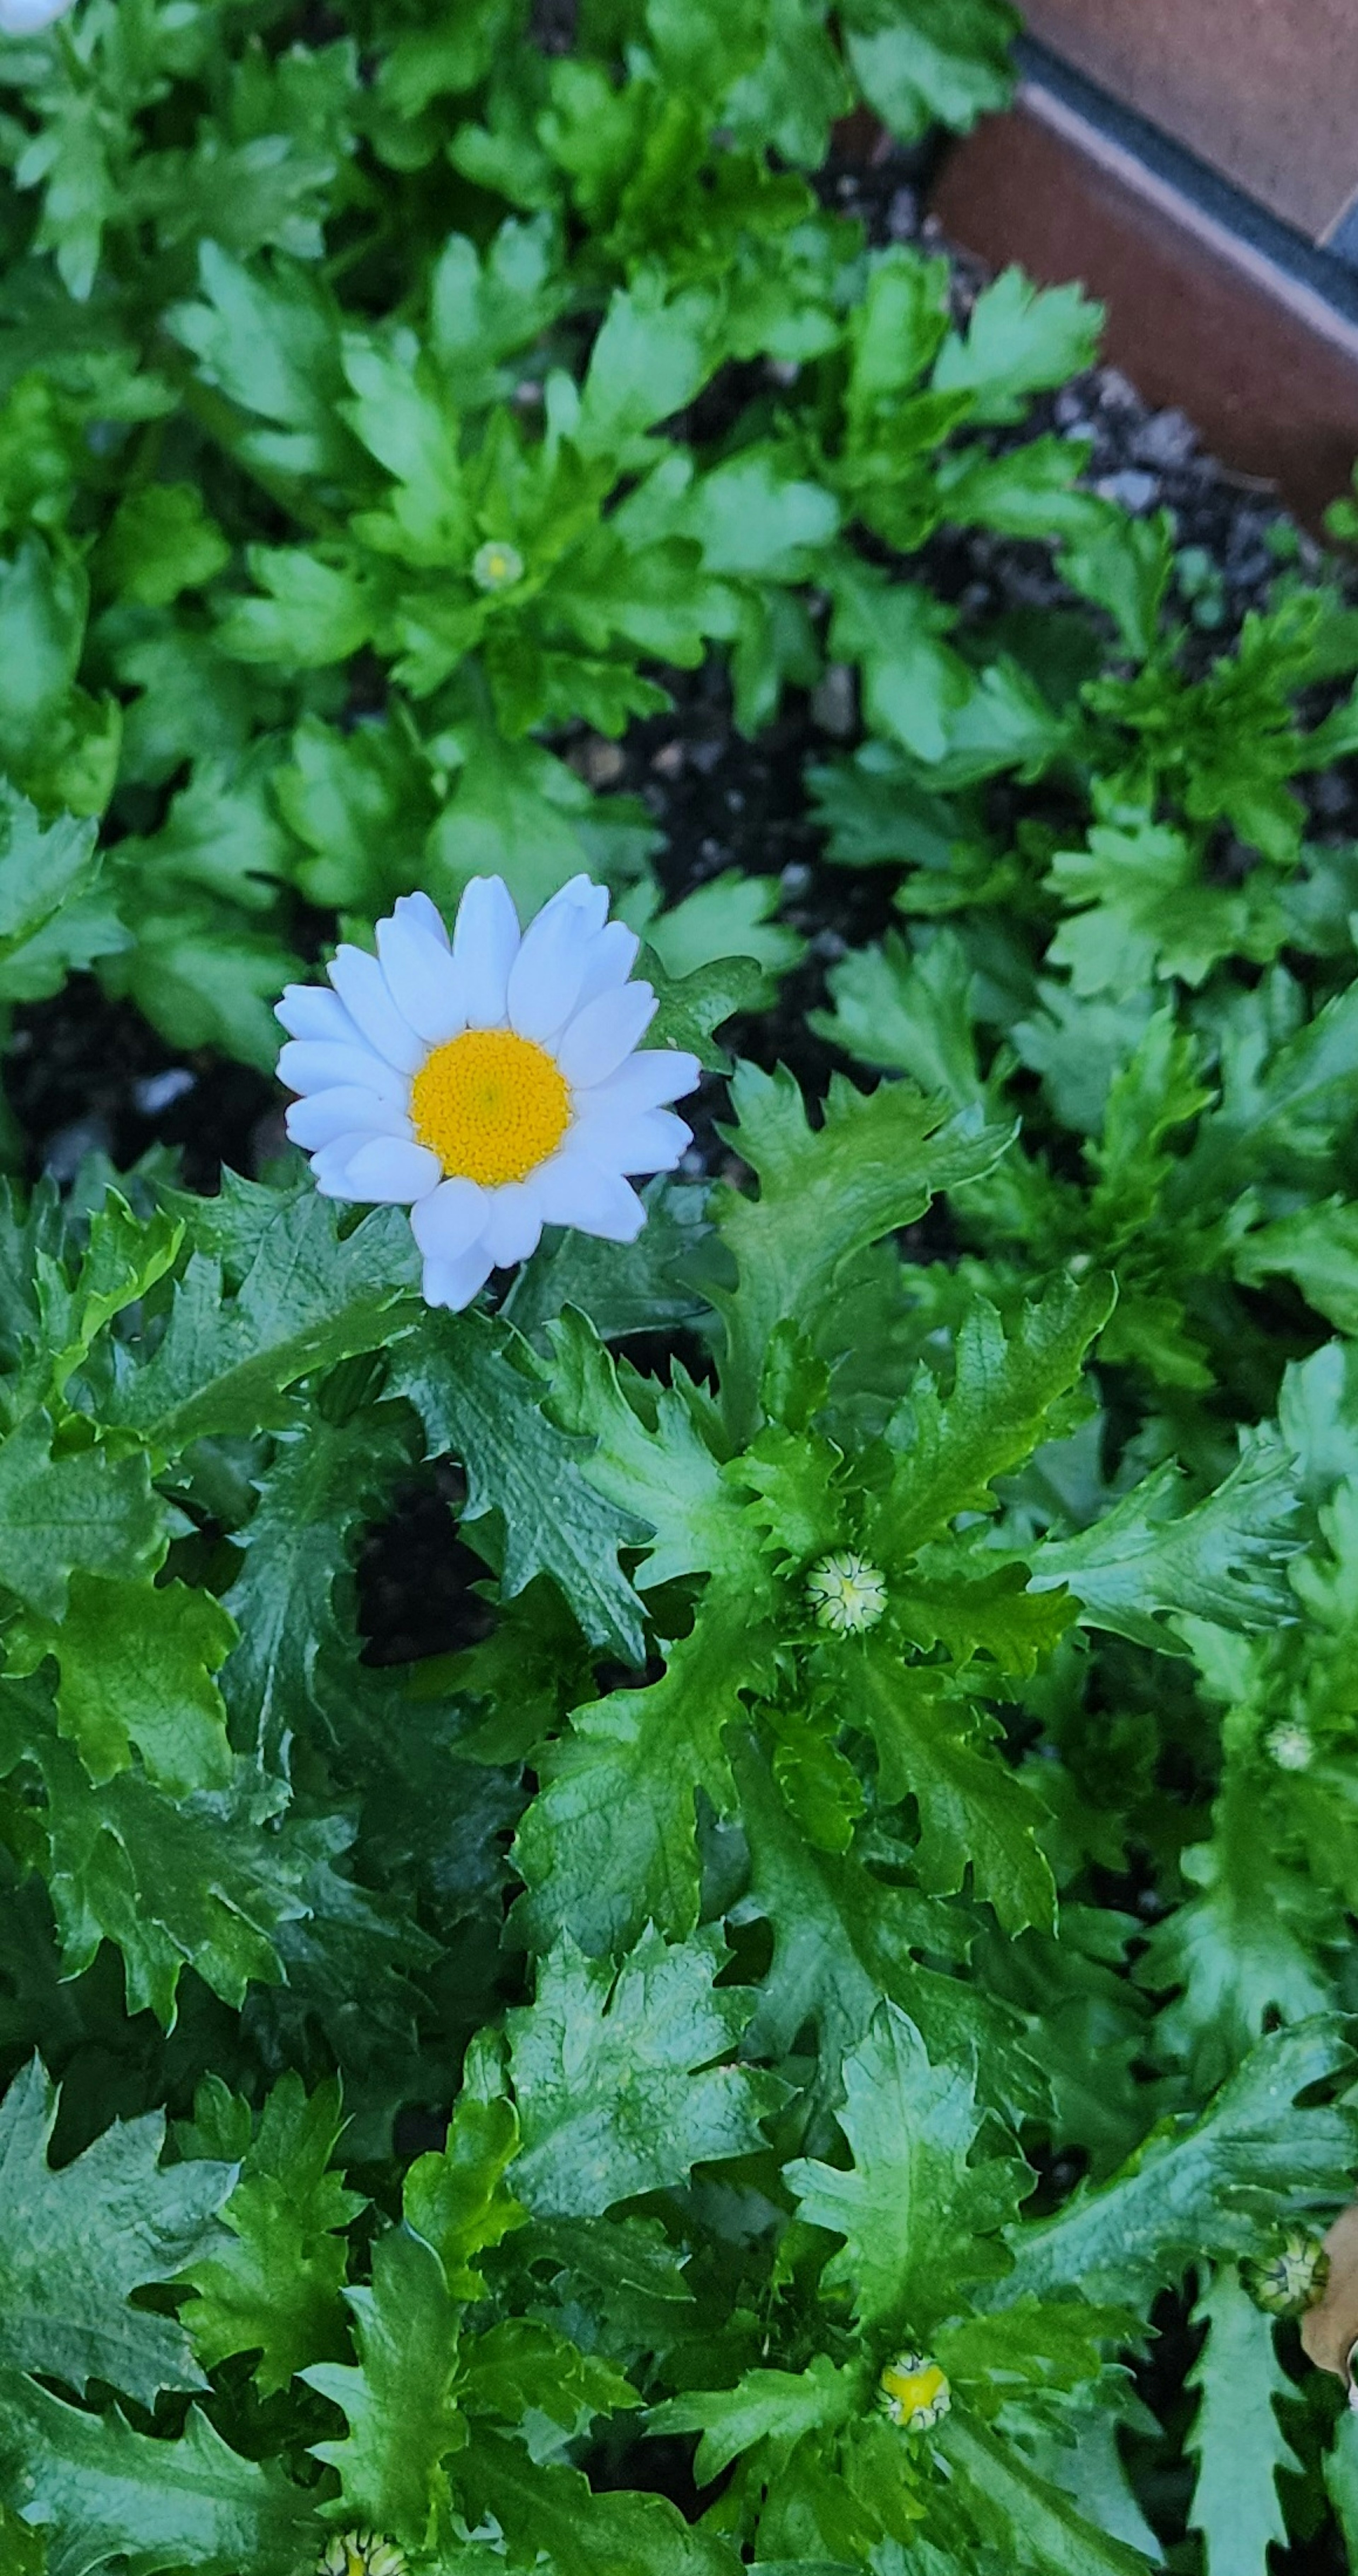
[479, 1391]
[308, 1299]
[605, 2068]
[917, 2216]
[1035, 2524]
[1236, 2435]
[974, 1812]
[1224, 1559]
[77, 2241]
[823, 1196]
[275, 2290]
[100, 2493]
[399, 2399]
[137, 1665]
[1205, 2187]
[63, 1508]
[773, 2406]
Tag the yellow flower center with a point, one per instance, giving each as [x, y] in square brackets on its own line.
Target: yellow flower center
[915, 2392]
[491, 1105]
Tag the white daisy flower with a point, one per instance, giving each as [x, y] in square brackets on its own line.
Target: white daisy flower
[493, 1084]
[24, 17]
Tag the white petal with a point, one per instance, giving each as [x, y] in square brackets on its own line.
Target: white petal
[329, 1166]
[423, 909]
[604, 1032]
[386, 1170]
[24, 17]
[324, 1116]
[423, 981]
[362, 987]
[306, 1064]
[651, 1141]
[582, 896]
[514, 1225]
[646, 1081]
[545, 979]
[485, 945]
[455, 1283]
[611, 960]
[312, 1011]
[571, 1190]
[450, 1220]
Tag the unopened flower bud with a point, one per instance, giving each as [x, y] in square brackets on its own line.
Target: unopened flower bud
[362, 2553]
[914, 2392]
[846, 1593]
[1289, 1745]
[496, 565]
[1291, 2279]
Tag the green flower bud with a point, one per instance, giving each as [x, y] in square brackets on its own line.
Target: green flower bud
[913, 2392]
[1289, 1745]
[1291, 2279]
[496, 565]
[846, 1593]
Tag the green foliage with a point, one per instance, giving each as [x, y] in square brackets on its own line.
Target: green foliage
[642, 2009]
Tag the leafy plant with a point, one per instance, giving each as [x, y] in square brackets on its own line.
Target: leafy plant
[794, 2037]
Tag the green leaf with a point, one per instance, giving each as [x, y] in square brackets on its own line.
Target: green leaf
[918, 2217]
[1202, 2188]
[1020, 338]
[275, 2290]
[54, 916]
[202, 1881]
[124, 1259]
[843, 1939]
[773, 2406]
[100, 2492]
[730, 917]
[269, 339]
[307, 1300]
[483, 308]
[1236, 2434]
[1318, 1249]
[1035, 2524]
[1143, 907]
[523, 2372]
[1006, 1382]
[649, 359]
[399, 2401]
[605, 2069]
[933, 61]
[608, 1844]
[323, 1483]
[1124, 566]
[76, 2243]
[161, 542]
[457, 2200]
[1224, 1559]
[975, 1813]
[137, 1663]
[823, 1197]
[551, 2510]
[479, 1390]
[63, 1508]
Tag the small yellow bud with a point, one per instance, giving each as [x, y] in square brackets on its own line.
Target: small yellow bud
[361, 2553]
[846, 1593]
[496, 565]
[914, 2392]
